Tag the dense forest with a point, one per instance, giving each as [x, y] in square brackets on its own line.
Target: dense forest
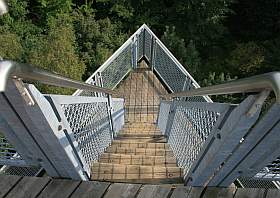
[216, 40]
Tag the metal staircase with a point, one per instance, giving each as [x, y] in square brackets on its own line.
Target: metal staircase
[139, 153]
[137, 112]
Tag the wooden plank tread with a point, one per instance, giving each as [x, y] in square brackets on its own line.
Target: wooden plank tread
[140, 151]
[15, 186]
[138, 160]
[139, 144]
[108, 171]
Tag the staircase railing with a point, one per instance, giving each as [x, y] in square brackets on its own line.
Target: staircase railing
[170, 71]
[143, 44]
[217, 143]
[62, 134]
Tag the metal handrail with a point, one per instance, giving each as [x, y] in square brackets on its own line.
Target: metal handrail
[112, 58]
[28, 72]
[270, 81]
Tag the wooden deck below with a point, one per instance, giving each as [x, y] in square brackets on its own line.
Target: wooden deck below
[22, 187]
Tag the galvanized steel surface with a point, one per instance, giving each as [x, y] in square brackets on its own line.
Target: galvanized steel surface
[187, 127]
[269, 81]
[28, 72]
[91, 128]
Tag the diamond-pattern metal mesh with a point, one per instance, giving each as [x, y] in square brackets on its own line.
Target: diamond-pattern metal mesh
[93, 81]
[91, 127]
[256, 183]
[7, 152]
[148, 44]
[117, 69]
[189, 131]
[113, 73]
[168, 70]
[140, 45]
[271, 171]
[22, 171]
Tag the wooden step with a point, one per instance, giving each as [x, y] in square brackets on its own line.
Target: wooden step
[136, 173]
[139, 135]
[140, 151]
[129, 144]
[140, 124]
[124, 133]
[138, 160]
[139, 131]
[149, 139]
[144, 128]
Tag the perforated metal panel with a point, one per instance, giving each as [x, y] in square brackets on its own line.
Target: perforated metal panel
[91, 127]
[168, 70]
[148, 45]
[95, 80]
[8, 154]
[117, 69]
[190, 123]
[255, 183]
[140, 46]
[113, 72]
[271, 171]
[187, 136]
[21, 171]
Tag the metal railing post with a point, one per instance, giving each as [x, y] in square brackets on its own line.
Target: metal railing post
[258, 149]
[99, 82]
[144, 36]
[110, 113]
[134, 51]
[223, 140]
[171, 116]
[33, 120]
[152, 53]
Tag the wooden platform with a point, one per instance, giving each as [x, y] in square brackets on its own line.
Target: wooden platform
[29, 187]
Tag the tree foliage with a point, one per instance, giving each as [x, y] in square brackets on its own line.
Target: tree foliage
[96, 39]
[56, 51]
[237, 38]
[246, 59]
[10, 46]
[187, 54]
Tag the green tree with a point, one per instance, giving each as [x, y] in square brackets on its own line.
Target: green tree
[246, 59]
[97, 39]
[214, 79]
[57, 52]
[42, 10]
[256, 20]
[271, 54]
[10, 47]
[17, 29]
[187, 55]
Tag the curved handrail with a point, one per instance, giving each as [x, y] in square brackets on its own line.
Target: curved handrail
[3, 7]
[28, 72]
[270, 81]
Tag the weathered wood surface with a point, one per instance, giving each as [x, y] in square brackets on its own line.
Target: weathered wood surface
[139, 153]
[154, 191]
[29, 187]
[14, 187]
[122, 190]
